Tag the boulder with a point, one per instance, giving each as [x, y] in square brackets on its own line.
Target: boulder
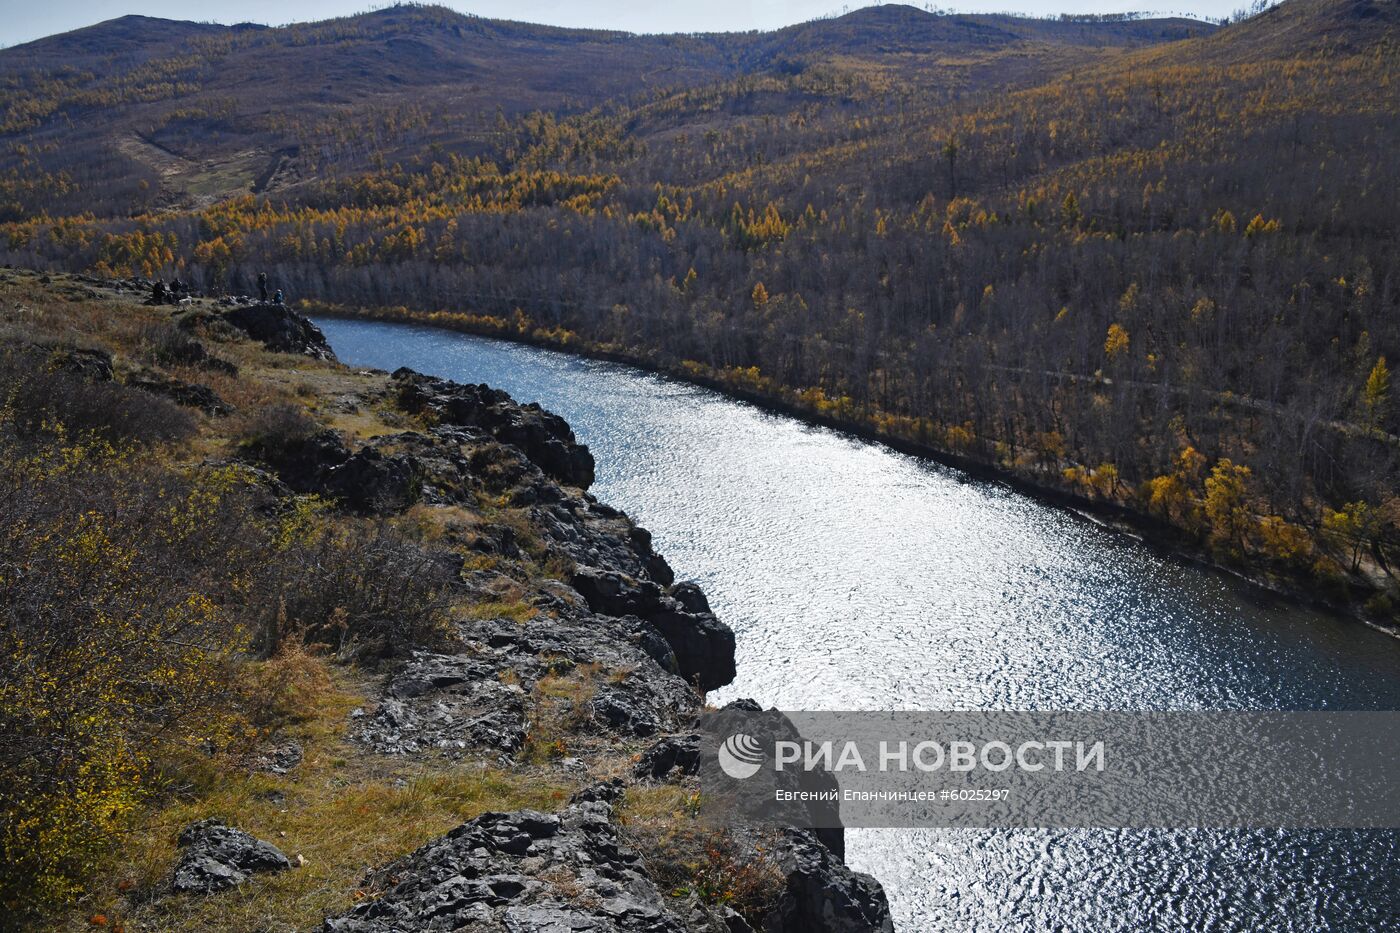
[178, 348]
[821, 893]
[375, 484]
[189, 394]
[589, 534]
[281, 329]
[217, 856]
[678, 754]
[703, 645]
[689, 595]
[549, 442]
[91, 365]
[613, 708]
[616, 594]
[304, 463]
[282, 758]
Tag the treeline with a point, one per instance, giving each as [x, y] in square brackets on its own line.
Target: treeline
[1167, 282]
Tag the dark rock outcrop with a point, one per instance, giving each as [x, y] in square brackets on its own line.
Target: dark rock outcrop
[304, 463]
[822, 893]
[91, 365]
[543, 437]
[674, 754]
[189, 394]
[573, 871]
[370, 482]
[521, 871]
[280, 328]
[217, 856]
[282, 758]
[178, 347]
[703, 645]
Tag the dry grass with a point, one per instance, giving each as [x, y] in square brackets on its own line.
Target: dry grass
[515, 610]
[343, 810]
[560, 710]
[689, 856]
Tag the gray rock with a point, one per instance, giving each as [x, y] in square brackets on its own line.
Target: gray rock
[217, 856]
[822, 893]
[91, 365]
[281, 329]
[189, 394]
[491, 872]
[282, 758]
[374, 484]
[703, 645]
[689, 595]
[615, 709]
[545, 438]
[304, 463]
[674, 754]
[445, 702]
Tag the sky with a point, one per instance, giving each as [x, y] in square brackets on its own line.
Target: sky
[23, 20]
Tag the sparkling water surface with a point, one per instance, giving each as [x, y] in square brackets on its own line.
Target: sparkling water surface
[857, 577]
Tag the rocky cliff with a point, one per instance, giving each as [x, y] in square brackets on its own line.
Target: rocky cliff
[611, 607]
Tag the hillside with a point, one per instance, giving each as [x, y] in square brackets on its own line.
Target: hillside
[1148, 265]
[297, 646]
[139, 112]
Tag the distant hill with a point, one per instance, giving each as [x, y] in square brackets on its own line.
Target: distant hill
[896, 28]
[116, 43]
[197, 111]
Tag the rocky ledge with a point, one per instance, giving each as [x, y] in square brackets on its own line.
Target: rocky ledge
[608, 643]
[279, 328]
[573, 871]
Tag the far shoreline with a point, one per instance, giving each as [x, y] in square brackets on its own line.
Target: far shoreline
[1156, 534]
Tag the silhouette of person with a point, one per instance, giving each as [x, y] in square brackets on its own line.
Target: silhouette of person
[158, 293]
[262, 286]
[277, 299]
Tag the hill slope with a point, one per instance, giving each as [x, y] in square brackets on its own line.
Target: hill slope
[134, 108]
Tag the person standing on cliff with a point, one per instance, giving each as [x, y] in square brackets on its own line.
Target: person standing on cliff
[262, 287]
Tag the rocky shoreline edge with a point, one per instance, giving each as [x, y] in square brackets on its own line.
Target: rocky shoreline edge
[621, 606]
[610, 613]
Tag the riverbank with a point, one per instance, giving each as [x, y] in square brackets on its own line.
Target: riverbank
[427, 623]
[1354, 596]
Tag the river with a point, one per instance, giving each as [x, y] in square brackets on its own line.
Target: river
[857, 577]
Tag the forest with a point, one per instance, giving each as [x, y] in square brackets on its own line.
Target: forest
[1147, 263]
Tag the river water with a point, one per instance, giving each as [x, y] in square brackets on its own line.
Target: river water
[857, 577]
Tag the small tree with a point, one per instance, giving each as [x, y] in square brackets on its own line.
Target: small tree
[1226, 504]
[1375, 397]
[1116, 342]
[1351, 529]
